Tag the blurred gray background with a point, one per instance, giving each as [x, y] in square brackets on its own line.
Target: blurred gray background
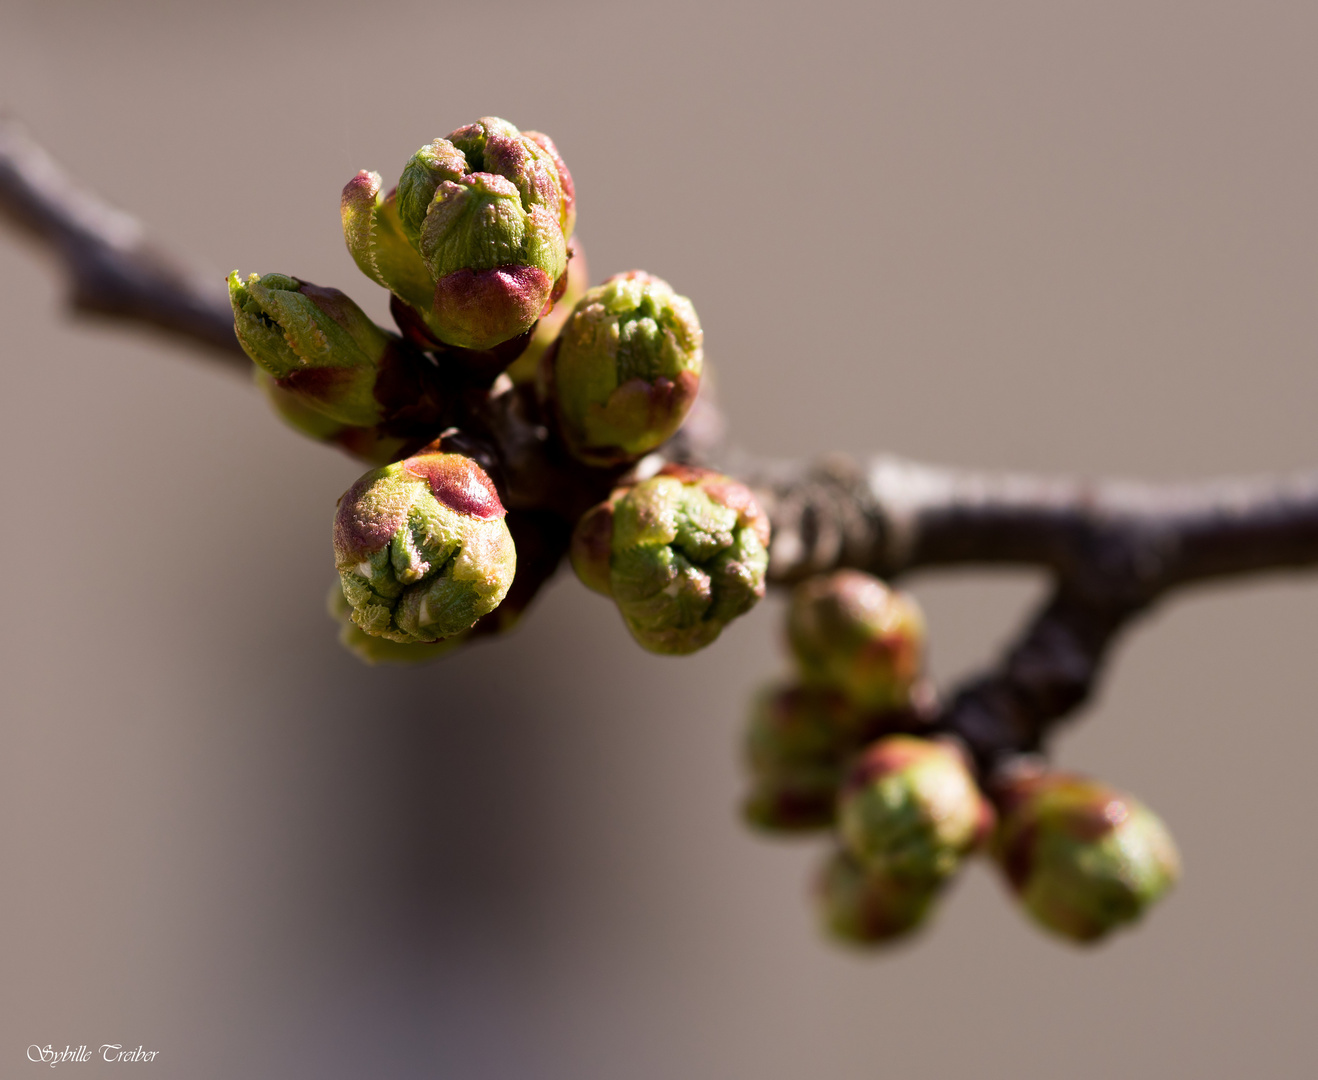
[1047, 236]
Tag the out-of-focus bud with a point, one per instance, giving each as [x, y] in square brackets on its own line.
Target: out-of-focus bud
[486, 210]
[366, 444]
[377, 650]
[314, 342]
[910, 808]
[848, 629]
[861, 906]
[793, 726]
[682, 554]
[1082, 858]
[298, 415]
[525, 368]
[799, 742]
[625, 369]
[422, 548]
[796, 743]
[796, 799]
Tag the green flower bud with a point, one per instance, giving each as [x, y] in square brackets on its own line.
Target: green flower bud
[910, 808]
[798, 742]
[567, 207]
[315, 342]
[377, 650]
[525, 368]
[422, 548]
[489, 211]
[541, 540]
[800, 726]
[1082, 857]
[379, 243]
[430, 166]
[682, 554]
[848, 629]
[796, 799]
[861, 906]
[625, 370]
[296, 413]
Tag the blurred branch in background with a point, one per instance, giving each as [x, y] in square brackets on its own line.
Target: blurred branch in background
[109, 267]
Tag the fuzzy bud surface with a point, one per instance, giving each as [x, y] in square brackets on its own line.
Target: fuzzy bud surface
[422, 548]
[626, 368]
[682, 554]
[314, 342]
[488, 213]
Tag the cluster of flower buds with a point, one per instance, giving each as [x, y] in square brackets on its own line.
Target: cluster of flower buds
[681, 552]
[844, 746]
[853, 745]
[491, 298]
[475, 245]
[858, 649]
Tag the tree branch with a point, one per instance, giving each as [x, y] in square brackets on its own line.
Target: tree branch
[110, 269]
[892, 516]
[1112, 548]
